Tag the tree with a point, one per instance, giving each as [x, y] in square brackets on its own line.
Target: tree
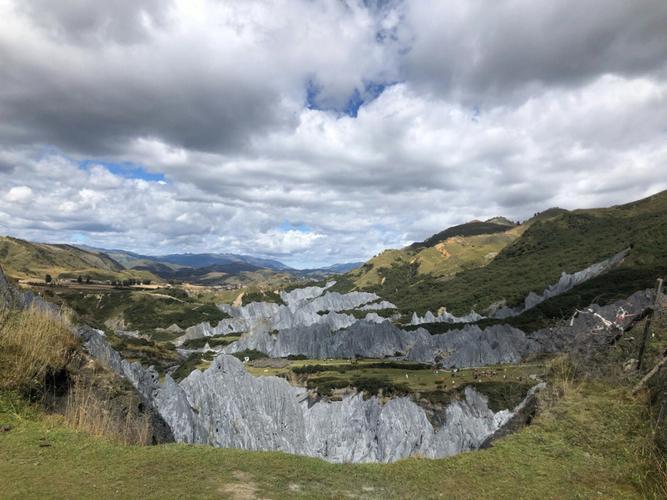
[48, 279]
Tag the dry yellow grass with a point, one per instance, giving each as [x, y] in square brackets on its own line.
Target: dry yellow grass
[33, 343]
[89, 410]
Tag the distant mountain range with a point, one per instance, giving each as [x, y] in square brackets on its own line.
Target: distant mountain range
[327, 271]
[28, 260]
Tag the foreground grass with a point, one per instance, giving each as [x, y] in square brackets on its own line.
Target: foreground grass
[593, 442]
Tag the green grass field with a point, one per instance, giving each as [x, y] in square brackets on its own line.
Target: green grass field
[594, 442]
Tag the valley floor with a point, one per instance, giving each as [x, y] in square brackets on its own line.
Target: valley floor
[595, 441]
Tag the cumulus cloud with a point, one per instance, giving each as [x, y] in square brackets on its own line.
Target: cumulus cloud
[204, 125]
[18, 194]
[286, 242]
[486, 52]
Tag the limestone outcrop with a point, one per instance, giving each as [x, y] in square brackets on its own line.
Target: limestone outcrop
[566, 283]
[12, 297]
[470, 346]
[225, 406]
[303, 307]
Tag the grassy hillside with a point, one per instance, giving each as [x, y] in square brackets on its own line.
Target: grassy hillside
[142, 311]
[551, 244]
[476, 227]
[443, 258]
[24, 259]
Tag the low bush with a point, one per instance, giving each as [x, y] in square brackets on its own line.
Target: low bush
[33, 344]
[92, 411]
[370, 386]
[213, 341]
[161, 355]
[308, 369]
[249, 353]
[274, 297]
[191, 363]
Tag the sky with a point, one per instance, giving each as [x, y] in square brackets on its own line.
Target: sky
[321, 131]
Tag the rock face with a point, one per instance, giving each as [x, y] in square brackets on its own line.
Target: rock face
[303, 307]
[11, 297]
[445, 317]
[225, 406]
[470, 346]
[359, 339]
[566, 283]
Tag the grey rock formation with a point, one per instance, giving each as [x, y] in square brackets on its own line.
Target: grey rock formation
[360, 339]
[473, 346]
[377, 306]
[566, 283]
[294, 297]
[470, 346]
[445, 317]
[225, 406]
[12, 297]
[304, 307]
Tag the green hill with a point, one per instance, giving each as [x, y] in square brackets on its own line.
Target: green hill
[444, 254]
[472, 228]
[553, 242]
[27, 260]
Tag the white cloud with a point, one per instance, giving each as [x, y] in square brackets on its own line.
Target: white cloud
[286, 242]
[18, 194]
[477, 122]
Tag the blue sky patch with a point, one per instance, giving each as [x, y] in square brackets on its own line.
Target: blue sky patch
[288, 226]
[370, 92]
[126, 170]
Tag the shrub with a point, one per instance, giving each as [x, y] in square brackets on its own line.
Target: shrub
[252, 354]
[33, 344]
[92, 411]
[211, 341]
[191, 364]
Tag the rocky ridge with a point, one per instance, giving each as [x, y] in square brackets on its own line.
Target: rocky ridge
[470, 346]
[302, 307]
[225, 406]
[566, 283]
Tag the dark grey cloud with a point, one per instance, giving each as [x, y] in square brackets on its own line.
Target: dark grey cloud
[490, 108]
[98, 114]
[80, 21]
[208, 77]
[487, 52]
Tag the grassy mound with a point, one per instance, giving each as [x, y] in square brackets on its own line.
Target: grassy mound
[143, 311]
[25, 259]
